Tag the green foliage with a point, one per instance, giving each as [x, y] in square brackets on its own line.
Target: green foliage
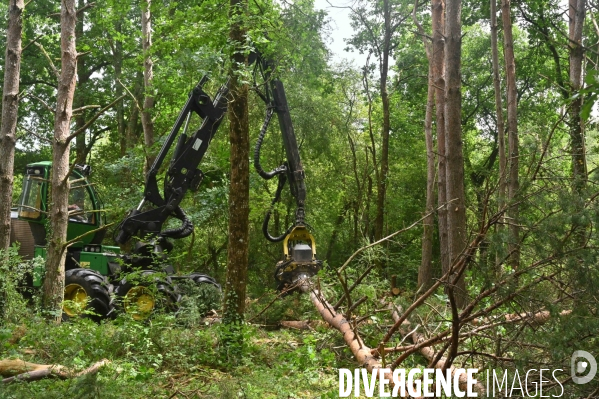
[154, 359]
[197, 301]
[590, 93]
[14, 273]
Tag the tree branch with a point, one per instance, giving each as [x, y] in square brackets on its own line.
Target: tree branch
[45, 53]
[45, 104]
[93, 119]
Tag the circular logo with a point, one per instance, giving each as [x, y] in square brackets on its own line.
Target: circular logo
[579, 366]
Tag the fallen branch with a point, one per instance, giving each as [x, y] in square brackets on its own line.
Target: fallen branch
[537, 318]
[20, 370]
[429, 353]
[303, 324]
[281, 294]
[457, 268]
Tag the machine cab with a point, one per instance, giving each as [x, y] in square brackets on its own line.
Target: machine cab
[84, 204]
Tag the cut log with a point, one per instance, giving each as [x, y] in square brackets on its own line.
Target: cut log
[354, 342]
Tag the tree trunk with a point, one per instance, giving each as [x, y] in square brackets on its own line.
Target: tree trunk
[456, 214]
[512, 125]
[132, 131]
[362, 353]
[579, 169]
[338, 222]
[384, 170]
[10, 108]
[148, 105]
[425, 272]
[438, 60]
[499, 113]
[79, 100]
[239, 189]
[54, 280]
[117, 64]
[372, 148]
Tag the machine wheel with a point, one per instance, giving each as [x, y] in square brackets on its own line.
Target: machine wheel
[200, 278]
[87, 294]
[145, 291]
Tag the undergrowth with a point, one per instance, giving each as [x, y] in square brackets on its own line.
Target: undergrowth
[164, 358]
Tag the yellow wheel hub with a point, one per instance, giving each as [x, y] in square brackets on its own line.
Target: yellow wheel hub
[139, 302]
[75, 300]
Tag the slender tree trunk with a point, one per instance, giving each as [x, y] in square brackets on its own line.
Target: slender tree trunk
[579, 170]
[425, 272]
[10, 108]
[239, 189]
[338, 222]
[132, 131]
[438, 61]
[54, 280]
[120, 107]
[79, 101]
[456, 215]
[499, 113]
[356, 204]
[148, 106]
[372, 148]
[384, 170]
[512, 125]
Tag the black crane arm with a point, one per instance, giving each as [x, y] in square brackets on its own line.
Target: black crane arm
[182, 174]
[273, 94]
[299, 247]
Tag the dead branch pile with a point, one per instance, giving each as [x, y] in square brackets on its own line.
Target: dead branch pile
[438, 344]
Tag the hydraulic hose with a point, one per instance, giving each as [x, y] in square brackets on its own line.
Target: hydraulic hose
[281, 169]
[277, 197]
[184, 230]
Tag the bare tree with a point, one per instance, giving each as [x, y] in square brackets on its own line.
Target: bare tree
[513, 184]
[54, 279]
[146, 115]
[456, 214]
[10, 108]
[239, 188]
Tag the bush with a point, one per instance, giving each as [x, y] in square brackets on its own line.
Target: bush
[14, 273]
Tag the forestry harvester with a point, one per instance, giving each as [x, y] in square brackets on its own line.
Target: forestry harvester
[141, 281]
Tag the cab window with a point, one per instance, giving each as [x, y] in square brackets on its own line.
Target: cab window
[81, 207]
[31, 201]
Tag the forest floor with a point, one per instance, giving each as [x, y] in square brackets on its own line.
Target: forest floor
[178, 357]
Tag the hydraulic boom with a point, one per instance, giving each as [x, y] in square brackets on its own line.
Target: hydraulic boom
[299, 247]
